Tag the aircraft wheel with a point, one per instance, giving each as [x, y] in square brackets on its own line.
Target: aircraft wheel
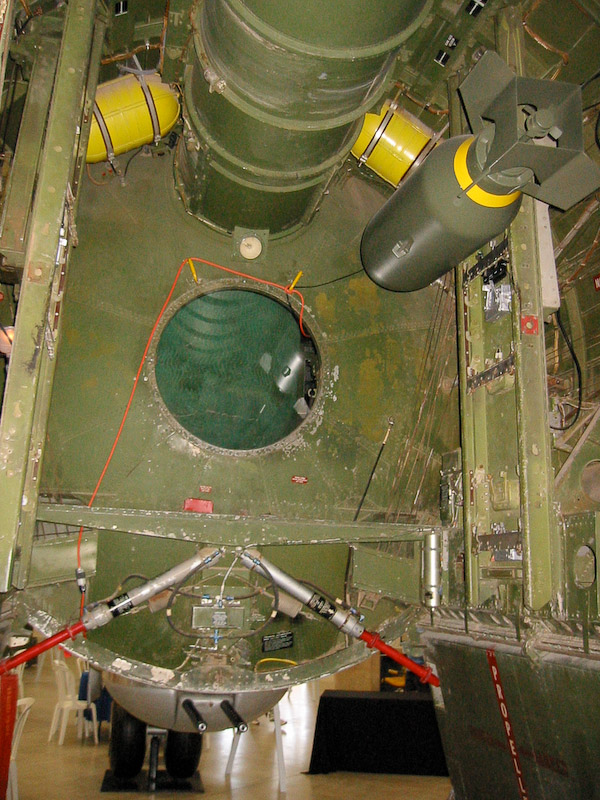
[127, 746]
[182, 753]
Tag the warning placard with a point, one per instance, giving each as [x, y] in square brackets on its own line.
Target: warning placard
[277, 641]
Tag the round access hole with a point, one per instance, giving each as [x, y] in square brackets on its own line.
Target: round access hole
[234, 369]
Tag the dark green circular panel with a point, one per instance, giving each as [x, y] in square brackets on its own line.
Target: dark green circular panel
[234, 370]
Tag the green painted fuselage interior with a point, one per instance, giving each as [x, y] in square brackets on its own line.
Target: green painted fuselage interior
[230, 367]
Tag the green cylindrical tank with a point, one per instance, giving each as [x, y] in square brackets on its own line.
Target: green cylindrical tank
[273, 102]
[437, 217]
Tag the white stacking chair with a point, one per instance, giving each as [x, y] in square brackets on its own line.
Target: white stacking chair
[40, 666]
[67, 702]
[23, 709]
[19, 672]
[82, 665]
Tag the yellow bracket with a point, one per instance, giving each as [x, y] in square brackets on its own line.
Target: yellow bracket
[195, 277]
[295, 281]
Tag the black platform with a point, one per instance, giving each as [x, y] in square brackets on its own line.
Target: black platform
[377, 732]
[164, 783]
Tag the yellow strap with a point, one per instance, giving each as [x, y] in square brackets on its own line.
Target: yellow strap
[295, 281]
[193, 271]
[476, 193]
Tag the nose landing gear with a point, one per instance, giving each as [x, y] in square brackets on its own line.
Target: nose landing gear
[127, 750]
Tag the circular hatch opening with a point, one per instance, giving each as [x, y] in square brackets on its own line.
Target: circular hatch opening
[234, 369]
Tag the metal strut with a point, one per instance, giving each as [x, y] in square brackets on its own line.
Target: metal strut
[105, 612]
[343, 619]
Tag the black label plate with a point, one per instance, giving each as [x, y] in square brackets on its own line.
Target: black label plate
[277, 641]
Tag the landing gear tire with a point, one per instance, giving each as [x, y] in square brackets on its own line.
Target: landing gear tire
[182, 753]
[127, 746]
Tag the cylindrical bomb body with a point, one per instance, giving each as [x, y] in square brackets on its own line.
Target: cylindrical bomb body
[434, 220]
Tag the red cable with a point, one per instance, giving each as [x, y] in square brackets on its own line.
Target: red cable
[285, 289]
[425, 674]
[125, 415]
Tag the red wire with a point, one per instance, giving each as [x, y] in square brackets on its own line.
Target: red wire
[285, 289]
[185, 261]
[125, 415]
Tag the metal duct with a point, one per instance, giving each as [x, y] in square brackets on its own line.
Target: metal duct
[273, 101]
